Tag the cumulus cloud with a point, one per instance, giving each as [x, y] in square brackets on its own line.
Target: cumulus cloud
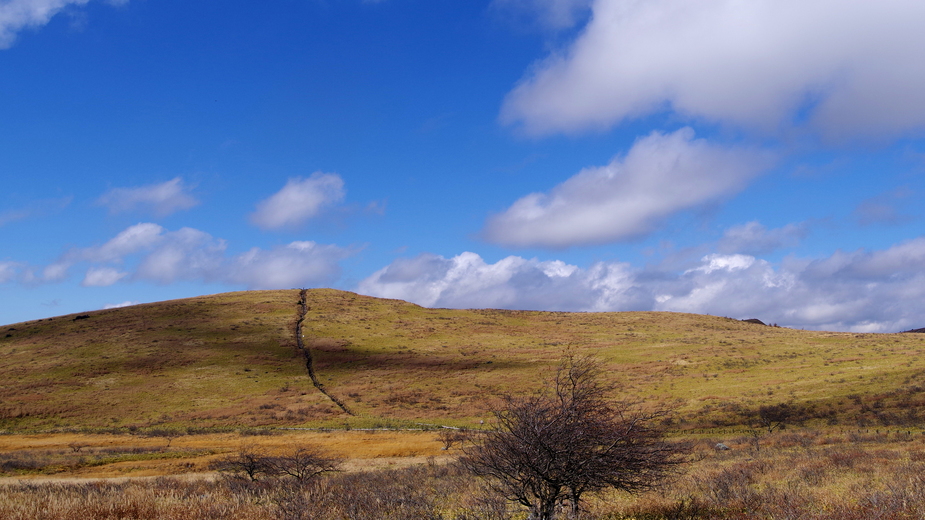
[159, 199]
[753, 238]
[185, 254]
[661, 174]
[467, 281]
[846, 67]
[294, 265]
[870, 291]
[298, 201]
[149, 252]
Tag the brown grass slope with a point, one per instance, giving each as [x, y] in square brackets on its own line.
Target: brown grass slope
[231, 360]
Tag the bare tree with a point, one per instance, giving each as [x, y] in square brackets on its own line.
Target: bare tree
[452, 436]
[249, 461]
[567, 440]
[304, 464]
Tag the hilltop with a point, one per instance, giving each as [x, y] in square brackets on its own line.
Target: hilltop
[232, 360]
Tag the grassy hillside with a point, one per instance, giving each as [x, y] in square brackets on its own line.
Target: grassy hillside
[231, 360]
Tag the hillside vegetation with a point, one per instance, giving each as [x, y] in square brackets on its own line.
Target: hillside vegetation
[231, 360]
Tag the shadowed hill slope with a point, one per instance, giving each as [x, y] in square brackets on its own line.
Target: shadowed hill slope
[232, 359]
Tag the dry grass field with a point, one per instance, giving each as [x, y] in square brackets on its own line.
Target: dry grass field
[808, 474]
[65, 456]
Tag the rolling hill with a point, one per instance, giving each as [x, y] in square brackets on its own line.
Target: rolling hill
[232, 360]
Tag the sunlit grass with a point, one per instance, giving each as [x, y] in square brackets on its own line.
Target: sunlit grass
[230, 360]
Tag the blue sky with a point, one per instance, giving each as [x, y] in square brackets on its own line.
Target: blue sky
[744, 159]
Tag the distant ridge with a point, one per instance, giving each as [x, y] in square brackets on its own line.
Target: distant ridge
[914, 330]
[756, 321]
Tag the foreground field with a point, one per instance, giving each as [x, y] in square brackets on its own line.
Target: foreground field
[807, 474]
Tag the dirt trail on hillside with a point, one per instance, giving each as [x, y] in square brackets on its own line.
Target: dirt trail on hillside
[306, 352]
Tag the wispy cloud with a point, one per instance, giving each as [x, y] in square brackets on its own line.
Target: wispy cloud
[547, 14]
[885, 208]
[662, 174]
[875, 291]
[846, 68]
[157, 199]
[16, 15]
[9, 271]
[34, 209]
[102, 277]
[754, 239]
[298, 201]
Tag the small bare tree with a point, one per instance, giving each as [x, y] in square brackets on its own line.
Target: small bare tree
[567, 440]
[249, 461]
[304, 464]
[452, 436]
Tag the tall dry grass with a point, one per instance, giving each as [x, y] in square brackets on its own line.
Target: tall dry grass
[807, 475]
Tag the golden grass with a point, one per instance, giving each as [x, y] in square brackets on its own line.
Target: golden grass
[361, 450]
[811, 474]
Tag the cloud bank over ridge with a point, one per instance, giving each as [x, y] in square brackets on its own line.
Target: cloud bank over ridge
[865, 291]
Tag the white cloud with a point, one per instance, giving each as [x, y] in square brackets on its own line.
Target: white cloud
[298, 201]
[754, 239]
[159, 199]
[467, 281]
[55, 272]
[870, 291]
[847, 67]
[296, 265]
[127, 303]
[188, 254]
[135, 238]
[102, 277]
[659, 176]
[9, 271]
[16, 15]
[185, 254]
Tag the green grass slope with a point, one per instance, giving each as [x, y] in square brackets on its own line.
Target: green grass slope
[231, 360]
